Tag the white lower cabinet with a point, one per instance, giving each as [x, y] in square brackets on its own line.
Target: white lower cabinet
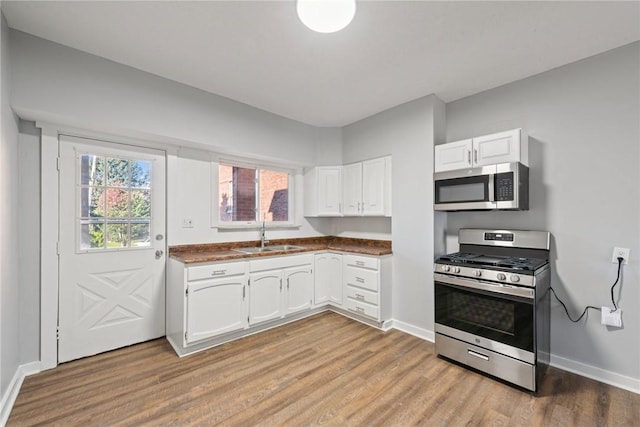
[265, 301]
[328, 278]
[367, 286]
[299, 292]
[205, 300]
[280, 286]
[211, 303]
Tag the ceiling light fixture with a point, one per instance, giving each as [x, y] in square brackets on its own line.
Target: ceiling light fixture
[326, 16]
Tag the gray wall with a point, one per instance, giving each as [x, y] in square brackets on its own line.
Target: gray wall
[66, 86]
[407, 132]
[583, 120]
[9, 280]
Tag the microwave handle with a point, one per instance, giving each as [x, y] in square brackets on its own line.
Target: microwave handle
[491, 188]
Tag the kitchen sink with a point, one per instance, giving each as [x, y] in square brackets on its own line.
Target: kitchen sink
[258, 250]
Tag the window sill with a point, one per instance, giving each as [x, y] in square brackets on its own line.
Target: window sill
[254, 226]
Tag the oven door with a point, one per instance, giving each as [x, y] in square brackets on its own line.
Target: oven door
[468, 189]
[496, 316]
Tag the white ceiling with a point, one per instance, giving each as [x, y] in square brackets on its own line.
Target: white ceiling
[260, 54]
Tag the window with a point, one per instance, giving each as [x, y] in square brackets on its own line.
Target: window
[249, 195]
[115, 203]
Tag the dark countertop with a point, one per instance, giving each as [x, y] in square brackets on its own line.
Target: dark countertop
[210, 252]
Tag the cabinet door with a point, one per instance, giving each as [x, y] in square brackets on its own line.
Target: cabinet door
[299, 292]
[453, 155]
[352, 189]
[503, 147]
[215, 307]
[334, 277]
[373, 187]
[329, 190]
[321, 286]
[265, 296]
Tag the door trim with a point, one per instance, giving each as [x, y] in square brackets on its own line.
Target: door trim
[49, 224]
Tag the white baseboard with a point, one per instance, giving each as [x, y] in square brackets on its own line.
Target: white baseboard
[595, 373]
[425, 334]
[9, 398]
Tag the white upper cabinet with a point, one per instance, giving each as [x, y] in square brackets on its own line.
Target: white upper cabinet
[352, 189]
[367, 188]
[374, 178]
[503, 147]
[323, 191]
[453, 155]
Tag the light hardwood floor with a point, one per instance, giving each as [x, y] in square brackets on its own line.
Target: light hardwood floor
[325, 369]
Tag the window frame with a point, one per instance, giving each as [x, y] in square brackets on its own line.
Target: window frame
[216, 222]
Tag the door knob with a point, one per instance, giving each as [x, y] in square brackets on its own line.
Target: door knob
[159, 254]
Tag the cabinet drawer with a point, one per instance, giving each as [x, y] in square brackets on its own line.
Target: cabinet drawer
[208, 271]
[361, 278]
[362, 308]
[362, 295]
[361, 261]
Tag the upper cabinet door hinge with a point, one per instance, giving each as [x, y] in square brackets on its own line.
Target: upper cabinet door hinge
[57, 248]
[58, 333]
[58, 163]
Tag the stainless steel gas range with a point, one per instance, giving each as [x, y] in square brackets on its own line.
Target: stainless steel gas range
[492, 304]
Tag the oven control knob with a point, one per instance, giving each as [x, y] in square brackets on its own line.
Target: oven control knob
[456, 269]
[502, 276]
[514, 278]
[446, 268]
[476, 273]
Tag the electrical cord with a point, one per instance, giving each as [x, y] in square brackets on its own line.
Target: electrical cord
[620, 260]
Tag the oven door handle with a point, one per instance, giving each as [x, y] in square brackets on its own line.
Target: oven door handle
[485, 286]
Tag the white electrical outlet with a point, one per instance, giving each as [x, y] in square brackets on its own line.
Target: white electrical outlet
[611, 317]
[187, 223]
[620, 252]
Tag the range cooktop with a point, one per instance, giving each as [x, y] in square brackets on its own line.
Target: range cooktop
[489, 261]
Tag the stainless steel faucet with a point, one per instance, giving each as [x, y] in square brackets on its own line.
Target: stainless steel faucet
[263, 240]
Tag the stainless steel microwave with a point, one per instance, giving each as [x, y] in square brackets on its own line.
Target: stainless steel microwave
[504, 186]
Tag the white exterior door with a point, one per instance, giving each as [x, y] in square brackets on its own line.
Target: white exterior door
[112, 246]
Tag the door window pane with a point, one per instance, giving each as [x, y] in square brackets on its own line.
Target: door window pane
[117, 203]
[140, 234]
[92, 202]
[91, 236]
[91, 170]
[117, 173]
[117, 235]
[140, 174]
[140, 204]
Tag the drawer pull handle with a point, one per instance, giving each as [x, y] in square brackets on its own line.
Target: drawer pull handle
[218, 272]
[357, 310]
[360, 263]
[360, 297]
[359, 280]
[478, 355]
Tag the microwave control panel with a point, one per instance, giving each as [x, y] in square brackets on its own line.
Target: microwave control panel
[504, 187]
